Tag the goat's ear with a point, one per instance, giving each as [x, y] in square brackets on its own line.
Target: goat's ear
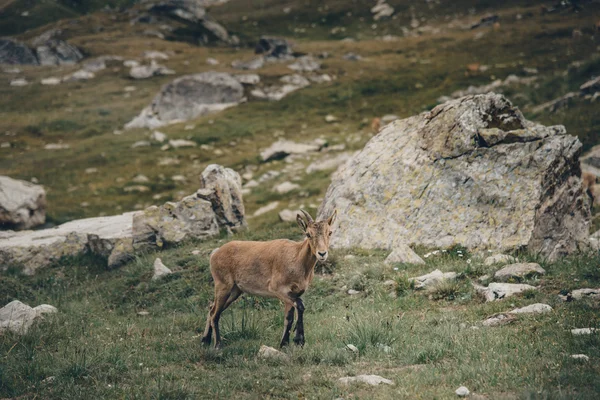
[301, 222]
[331, 219]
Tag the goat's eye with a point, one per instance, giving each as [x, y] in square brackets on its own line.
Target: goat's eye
[330, 233]
[308, 235]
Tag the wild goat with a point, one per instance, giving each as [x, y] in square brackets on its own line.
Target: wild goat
[280, 269]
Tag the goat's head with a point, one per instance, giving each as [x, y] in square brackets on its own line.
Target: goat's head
[317, 233]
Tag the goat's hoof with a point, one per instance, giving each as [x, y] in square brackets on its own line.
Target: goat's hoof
[299, 341]
[283, 344]
[218, 346]
[206, 341]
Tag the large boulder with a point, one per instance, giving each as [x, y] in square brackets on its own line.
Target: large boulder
[472, 171]
[223, 188]
[18, 317]
[189, 97]
[13, 52]
[22, 204]
[58, 52]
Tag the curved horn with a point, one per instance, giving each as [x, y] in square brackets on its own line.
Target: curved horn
[308, 217]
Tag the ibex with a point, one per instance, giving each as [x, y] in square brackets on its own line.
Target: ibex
[280, 269]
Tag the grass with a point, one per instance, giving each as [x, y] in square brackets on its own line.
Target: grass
[98, 346]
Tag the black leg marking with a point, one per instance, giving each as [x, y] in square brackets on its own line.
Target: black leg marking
[299, 338]
[289, 321]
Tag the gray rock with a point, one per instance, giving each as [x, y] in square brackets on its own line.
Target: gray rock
[248, 79]
[351, 57]
[581, 357]
[81, 75]
[148, 71]
[472, 172]
[269, 353]
[498, 320]
[519, 271]
[18, 317]
[22, 204]
[19, 82]
[265, 209]
[583, 331]
[499, 259]
[95, 65]
[289, 215]
[579, 294]
[189, 97]
[462, 392]
[272, 47]
[159, 136]
[403, 254]
[177, 143]
[58, 52]
[223, 188]
[285, 187]
[13, 52]
[537, 308]
[498, 291]
[160, 270]
[372, 380]
[432, 279]
[352, 348]
[140, 143]
[305, 64]
[328, 163]
[51, 81]
[255, 63]
[283, 148]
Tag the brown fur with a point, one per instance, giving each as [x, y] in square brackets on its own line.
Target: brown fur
[280, 269]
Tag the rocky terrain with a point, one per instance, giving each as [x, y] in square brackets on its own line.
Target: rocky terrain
[458, 142]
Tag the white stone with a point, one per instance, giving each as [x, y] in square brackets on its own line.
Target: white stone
[305, 64]
[81, 75]
[248, 79]
[462, 392]
[498, 291]
[330, 118]
[140, 143]
[285, 187]
[498, 319]
[160, 269]
[22, 204]
[177, 143]
[155, 55]
[212, 61]
[269, 353]
[19, 82]
[431, 279]
[519, 271]
[403, 254]
[56, 146]
[283, 148]
[50, 81]
[582, 357]
[18, 317]
[45, 309]
[352, 348]
[353, 292]
[587, 293]
[583, 331]
[265, 209]
[288, 215]
[328, 163]
[372, 380]
[139, 178]
[499, 259]
[537, 308]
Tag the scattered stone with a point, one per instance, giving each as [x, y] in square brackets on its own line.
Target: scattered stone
[143, 313]
[160, 270]
[18, 317]
[148, 71]
[579, 294]
[353, 292]
[498, 320]
[305, 64]
[212, 61]
[248, 79]
[140, 143]
[22, 204]
[58, 52]
[289, 215]
[519, 271]
[351, 57]
[189, 97]
[155, 55]
[19, 82]
[323, 78]
[537, 308]
[286, 187]
[158, 136]
[432, 279]
[462, 392]
[372, 380]
[583, 331]
[95, 65]
[56, 146]
[436, 156]
[382, 10]
[50, 81]
[136, 188]
[328, 163]
[283, 148]
[581, 357]
[499, 259]
[269, 353]
[403, 254]
[178, 143]
[255, 63]
[498, 291]
[91, 170]
[81, 75]
[352, 348]
[271, 47]
[330, 118]
[495, 86]
[13, 52]
[265, 209]
[131, 63]
[295, 80]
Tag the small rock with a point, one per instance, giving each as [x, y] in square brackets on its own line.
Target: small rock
[373, 380]
[81, 75]
[498, 319]
[177, 143]
[196, 252]
[248, 79]
[19, 82]
[143, 313]
[352, 348]
[283, 148]
[158, 136]
[50, 81]
[212, 61]
[305, 64]
[18, 317]
[389, 118]
[581, 357]
[136, 188]
[499, 259]
[579, 294]
[288, 215]
[349, 257]
[353, 292]
[518, 271]
[265, 209]
[330, 118]
[431, 279]
[285, 187]
[160, 269]
[155, 55]
[253, 64]
[403, 254]
[269, 353]
[462, 392]
[351, 57]
[91, 170]
[499, 291]
[583, 331]
[56, 146]
[44, 309]
[130, 63]
[140, 143]
[537, 308]
[139, 178]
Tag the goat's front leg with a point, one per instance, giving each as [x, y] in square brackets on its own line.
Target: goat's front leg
[299, 338]
[289, 321]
